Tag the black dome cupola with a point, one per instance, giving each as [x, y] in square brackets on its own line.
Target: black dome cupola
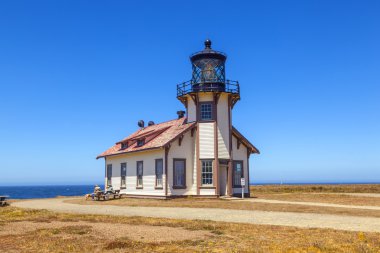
[208, 73]
[208, 67]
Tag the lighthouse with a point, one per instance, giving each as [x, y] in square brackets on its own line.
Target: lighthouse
[197, 154]
[209, 99]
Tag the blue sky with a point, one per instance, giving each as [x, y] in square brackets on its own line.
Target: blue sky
[76, 76]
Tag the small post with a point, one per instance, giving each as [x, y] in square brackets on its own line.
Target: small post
[242, 182]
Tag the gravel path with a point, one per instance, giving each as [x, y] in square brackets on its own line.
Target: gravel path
[305, 220]
[272, 201]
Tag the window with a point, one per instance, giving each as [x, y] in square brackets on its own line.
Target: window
[123, 174]
[207, 172]
[238, 173]
[139, 173]
[159, 172]
[206, 111]
[124, 145]
[109, 174]
[179, 173]
[140, 142]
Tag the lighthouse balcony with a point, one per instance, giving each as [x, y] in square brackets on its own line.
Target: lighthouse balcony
[189, 87]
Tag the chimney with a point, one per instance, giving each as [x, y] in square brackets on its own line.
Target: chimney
[180, 114]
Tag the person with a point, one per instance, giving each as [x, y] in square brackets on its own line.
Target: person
[97, 192]
[97, 189]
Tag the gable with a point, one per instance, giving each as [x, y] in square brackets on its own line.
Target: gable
[155, 136]
[244, 141]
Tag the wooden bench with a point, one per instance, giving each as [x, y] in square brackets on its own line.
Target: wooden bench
[3, 200]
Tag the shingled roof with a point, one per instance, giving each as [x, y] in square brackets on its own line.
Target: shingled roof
[156, 136]
[159, 135]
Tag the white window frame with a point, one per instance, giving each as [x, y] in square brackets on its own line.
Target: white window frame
[207, 112]
[109, 174]
[175, 176]
[159, 174]
[207, 173]
[139, 178]
[123, 178]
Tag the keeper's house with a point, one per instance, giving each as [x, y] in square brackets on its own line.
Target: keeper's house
[197, 154]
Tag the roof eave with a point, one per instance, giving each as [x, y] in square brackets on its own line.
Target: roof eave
[252, 148]
[181, 133]
[128, 152]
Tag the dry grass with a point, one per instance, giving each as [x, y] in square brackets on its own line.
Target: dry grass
[226, 237]
[301, 193]
[333, 194]
[228, 204]
[321, 198]
[100, 230]
[339, 188]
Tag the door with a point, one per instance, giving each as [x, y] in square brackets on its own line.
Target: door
[222, 179]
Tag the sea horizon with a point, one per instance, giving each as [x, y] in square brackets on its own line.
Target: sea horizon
[251, 183]
[71, 190]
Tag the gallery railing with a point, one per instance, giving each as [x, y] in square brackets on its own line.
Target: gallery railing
[190, 87]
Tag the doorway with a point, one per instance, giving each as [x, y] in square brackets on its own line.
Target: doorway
[223, 179]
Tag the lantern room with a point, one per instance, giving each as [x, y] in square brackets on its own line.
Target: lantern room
[208, 73]
[208, 68]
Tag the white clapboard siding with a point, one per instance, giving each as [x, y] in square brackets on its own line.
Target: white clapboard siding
[191, 111]
[206, 97]
[115, 181]
[184, 151]
[222, 146]
[149, 176]
[240, 155]
[206, 140]
[195, 164]
[223, 127]
[207, 192]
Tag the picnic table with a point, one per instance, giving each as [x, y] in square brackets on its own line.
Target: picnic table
[101, 195]
[3, 200]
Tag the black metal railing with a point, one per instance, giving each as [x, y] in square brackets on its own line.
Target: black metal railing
[190, 87]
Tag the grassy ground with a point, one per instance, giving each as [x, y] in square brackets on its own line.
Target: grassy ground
[227, 204]
[337, 198]
[334, 194]
[221, 237]
[339, 188]
[302, 193]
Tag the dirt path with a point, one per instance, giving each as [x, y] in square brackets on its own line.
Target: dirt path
[371, 195]
[272, 201]
[351, 223]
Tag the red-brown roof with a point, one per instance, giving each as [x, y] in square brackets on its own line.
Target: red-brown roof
[156, 136]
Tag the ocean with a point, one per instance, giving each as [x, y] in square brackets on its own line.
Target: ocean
[46, 191]
[52, 191]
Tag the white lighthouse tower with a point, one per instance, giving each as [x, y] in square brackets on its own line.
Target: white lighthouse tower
[209, 99]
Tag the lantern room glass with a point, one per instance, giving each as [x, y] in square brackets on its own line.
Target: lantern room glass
[208, 70]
